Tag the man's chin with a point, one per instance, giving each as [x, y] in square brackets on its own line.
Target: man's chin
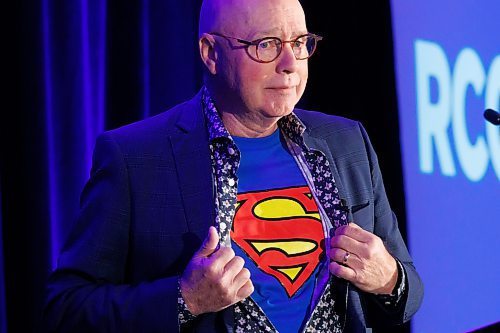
[280, 109]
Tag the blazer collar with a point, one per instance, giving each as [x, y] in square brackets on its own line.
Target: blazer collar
[191, 115]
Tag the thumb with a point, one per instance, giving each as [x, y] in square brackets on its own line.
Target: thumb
[210, 243]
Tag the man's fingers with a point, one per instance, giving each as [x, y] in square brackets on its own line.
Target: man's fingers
[234, 266]
[210, 244]
[338, 255]
[348, 243]
[343, 272]
[344, 257]
[241, 278]
[246, 290]
[354, 231]
[222, 257]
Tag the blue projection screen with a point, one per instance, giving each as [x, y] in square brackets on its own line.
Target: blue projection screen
[448, 72]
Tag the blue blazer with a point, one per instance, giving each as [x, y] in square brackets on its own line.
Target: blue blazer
[149, 203]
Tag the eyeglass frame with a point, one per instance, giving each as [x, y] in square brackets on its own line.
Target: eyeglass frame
[256, 42]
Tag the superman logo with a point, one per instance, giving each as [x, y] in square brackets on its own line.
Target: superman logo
[281, 231]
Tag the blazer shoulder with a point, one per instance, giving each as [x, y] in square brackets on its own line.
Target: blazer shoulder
[344, 136]
[148, 132]
[320, 124]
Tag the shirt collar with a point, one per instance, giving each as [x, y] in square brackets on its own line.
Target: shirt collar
[290, 125]
[294, 129]
[216, 128]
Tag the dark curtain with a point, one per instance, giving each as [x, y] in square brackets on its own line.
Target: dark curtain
[79, 67]
[83, 66]
[3, 315]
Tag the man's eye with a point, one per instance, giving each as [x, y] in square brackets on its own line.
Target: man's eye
[263, 45]
[298, 44]
[267, 44]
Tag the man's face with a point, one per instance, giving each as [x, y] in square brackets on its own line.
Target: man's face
[269, 90]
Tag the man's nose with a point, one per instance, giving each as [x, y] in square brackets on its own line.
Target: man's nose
[287, 62]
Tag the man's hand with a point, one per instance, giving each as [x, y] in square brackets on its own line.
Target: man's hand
[360, 257]
[214, 279]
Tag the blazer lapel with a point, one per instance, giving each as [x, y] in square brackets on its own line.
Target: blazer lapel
[191, 152]
[192, 159]
[321, 145]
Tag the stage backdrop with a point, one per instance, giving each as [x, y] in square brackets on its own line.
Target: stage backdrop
[448, 72]
[3, 315]
[81, 67]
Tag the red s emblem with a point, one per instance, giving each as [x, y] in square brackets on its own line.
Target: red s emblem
[281, 231]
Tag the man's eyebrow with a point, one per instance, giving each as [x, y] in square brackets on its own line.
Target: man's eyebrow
[275, 32]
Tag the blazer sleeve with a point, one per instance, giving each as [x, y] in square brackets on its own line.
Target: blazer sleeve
[386, 227]
[89, 291]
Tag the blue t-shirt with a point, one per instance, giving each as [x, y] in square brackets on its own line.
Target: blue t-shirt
[277, 230]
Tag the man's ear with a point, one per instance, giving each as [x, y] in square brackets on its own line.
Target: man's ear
[208, 53]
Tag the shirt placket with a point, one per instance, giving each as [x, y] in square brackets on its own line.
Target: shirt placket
[226, 157]
[323, 317]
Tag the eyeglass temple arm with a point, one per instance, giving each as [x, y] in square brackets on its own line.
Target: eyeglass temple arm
[242, 41]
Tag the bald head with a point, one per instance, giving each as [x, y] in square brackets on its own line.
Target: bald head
[211, 14]
[232, 16]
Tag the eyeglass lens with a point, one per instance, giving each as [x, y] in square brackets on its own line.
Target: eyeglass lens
[269, 49]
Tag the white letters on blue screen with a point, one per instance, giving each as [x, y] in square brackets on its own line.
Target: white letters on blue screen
[435, 118]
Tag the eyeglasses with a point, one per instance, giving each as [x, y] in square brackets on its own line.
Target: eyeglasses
[267, 49]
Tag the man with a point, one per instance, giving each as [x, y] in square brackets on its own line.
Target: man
[269, 188]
